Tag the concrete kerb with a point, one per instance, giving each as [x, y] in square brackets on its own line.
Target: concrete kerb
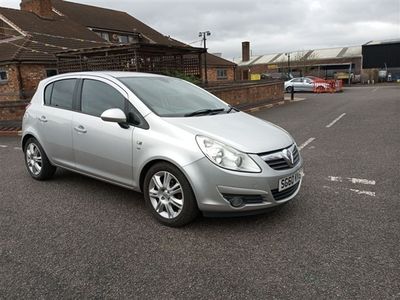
[11, 133]
[267, 106]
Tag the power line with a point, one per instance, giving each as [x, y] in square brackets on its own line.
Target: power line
[191, 43]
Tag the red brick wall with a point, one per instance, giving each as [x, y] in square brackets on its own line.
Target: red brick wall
[10, 90]
[15, 94]
[31, 76]
[249, 94]
[42, 8]
[12, 110]
[212, 73]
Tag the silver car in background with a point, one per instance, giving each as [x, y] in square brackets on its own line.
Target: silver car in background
[305, 84]
[184, 148]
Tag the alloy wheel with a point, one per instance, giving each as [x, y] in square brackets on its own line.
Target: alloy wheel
[34, 159]
[166, 194]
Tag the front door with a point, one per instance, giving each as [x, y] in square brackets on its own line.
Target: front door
[102, 149]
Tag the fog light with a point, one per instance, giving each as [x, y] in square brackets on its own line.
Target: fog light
[236, 201]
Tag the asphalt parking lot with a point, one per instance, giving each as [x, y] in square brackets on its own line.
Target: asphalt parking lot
[75, 237]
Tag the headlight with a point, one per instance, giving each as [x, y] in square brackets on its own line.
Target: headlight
[225, 156]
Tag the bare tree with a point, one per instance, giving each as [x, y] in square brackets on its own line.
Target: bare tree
[301, 61]
[304, 61]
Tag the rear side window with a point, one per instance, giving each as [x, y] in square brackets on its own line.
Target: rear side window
[98, 96]
[60, 93]
[47, 94]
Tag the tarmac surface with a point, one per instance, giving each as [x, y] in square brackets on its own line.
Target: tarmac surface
[75, 237]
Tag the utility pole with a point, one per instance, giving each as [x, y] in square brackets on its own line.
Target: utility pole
[288, 62]
[204, 35]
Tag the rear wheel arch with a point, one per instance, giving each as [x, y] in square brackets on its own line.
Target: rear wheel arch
[26, 138]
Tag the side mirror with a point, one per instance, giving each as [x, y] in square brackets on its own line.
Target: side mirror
[113, 115]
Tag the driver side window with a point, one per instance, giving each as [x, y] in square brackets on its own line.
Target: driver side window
[98, 96]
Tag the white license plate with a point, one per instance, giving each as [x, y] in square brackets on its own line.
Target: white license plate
[287, 182]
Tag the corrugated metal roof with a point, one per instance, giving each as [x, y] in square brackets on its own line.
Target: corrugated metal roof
[265, 59]
[327, 53]
[316, 54]
[353, 51]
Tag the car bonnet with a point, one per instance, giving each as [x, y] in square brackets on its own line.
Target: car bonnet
[239, 130]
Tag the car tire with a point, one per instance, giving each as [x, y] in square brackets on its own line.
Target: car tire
[36, 161]
[320, 89]
[169, 196]
[289, 89]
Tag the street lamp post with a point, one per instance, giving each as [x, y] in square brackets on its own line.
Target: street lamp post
[288, 62]
[204, 35]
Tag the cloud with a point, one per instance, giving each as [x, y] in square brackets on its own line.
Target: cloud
[270, 25]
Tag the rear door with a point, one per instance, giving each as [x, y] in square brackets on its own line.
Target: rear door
[102, 149]
[297, 84]
[55, 121]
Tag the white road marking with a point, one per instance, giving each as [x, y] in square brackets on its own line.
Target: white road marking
[359, 192]
[17, 148]
[310, 140]
[372, 194]
[3, 146]
[362, 181]
[334, 178]
[330, 188]
[352, 180]
[374, 90]
[334, 121]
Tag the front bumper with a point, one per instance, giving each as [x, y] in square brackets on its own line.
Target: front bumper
[211, 185]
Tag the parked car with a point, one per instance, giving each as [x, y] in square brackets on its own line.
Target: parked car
[305, 84]
[184, 148]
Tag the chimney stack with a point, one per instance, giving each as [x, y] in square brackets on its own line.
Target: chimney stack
[245, 51]
[42, 8]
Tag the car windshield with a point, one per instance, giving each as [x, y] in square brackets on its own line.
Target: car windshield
[172, 97]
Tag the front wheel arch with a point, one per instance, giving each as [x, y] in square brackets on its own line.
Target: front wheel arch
[151, 163]
[188, 212]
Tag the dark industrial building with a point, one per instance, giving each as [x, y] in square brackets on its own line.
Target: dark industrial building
[384, 56]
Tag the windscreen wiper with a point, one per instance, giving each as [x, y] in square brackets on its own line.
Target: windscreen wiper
[232, 108]
[206, 111]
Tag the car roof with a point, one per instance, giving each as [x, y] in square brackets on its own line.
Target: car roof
[105, 74]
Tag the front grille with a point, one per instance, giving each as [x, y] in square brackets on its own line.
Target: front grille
[247, 199]
[277, 162]
[285, 193]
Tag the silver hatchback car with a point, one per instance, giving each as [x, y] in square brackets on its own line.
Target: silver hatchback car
[184, 148]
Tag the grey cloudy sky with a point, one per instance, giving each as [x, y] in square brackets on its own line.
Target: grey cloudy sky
[270, 25]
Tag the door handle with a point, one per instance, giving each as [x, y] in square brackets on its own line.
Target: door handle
[43, 119]
[80, 129]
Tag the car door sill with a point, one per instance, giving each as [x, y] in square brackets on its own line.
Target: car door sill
[100, 178]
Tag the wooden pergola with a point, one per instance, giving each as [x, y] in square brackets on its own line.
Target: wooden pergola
[138, 57]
